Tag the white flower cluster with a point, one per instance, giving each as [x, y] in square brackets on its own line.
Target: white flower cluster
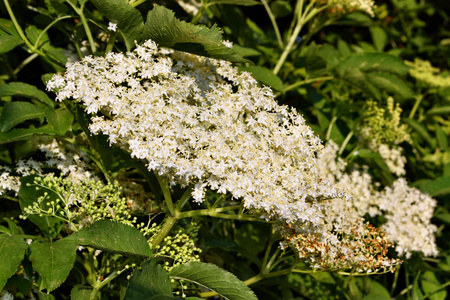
[196, 121]
[68, 159]
[366, 6]
[393, 158]
[407, 211]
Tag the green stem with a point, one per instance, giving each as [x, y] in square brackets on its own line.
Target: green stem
[183, 200]
[48, 27]
[111, 40]
[307, 81]
[166, 192]
[199, 14]
[136, 3]
[416, 106]
[159, 237]
[304, 17]
[330, 127]
[217, 213]
[274, 23]
[20, 31]
[344, 144]
[25, 62]
[84, 21]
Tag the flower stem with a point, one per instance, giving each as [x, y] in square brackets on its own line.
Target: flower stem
[159, 237]
[274, 23]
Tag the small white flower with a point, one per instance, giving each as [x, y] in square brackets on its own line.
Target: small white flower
[112, 26]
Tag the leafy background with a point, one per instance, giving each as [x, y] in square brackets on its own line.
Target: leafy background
[336, 64]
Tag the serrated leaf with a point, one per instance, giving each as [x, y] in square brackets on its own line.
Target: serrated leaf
[214, 278]
[113, 237]
[50, 226]
[17, 112]
[53, 261]
[391, 83]
[149, 281]
[265, 76]
[128, 19]
[12, 251]
[167, 31]
[60, 120]
[15, 135]
[9, 42]
[25, 90]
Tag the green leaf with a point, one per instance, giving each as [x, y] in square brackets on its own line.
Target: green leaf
[280, 8]
[149, 281]
[15, 135]
[25, 90]
[379, 37]
[435, 187]
[81, 292]
[214, 278]
[432, 287]
[391, 83]
[167, 31]
[50, 226]
[377, 292]
[9, 42]
[375, 62]
[8, 26]
[441, 110]
[12, 251]
[113, 237]
[420, 129]
[265, 76]
[128, 19]
[53, 261]
[60, 120]
[315, 65]
[416, 293]
[17, 112]
[245, 51]
[441, 137]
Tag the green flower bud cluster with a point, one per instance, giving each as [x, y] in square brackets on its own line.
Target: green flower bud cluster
[79, 203]
[178, 247]
[425, 73]
[383, 125]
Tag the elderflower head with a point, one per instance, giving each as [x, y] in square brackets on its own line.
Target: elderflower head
[407, 211]
[424, 72]
[197, 121]
[345, 6]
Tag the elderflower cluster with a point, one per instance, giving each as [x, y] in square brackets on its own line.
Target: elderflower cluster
[407, 211]
[197, 121]
[66, 158]
[383, 124]
[345, 6]
[424, 72]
